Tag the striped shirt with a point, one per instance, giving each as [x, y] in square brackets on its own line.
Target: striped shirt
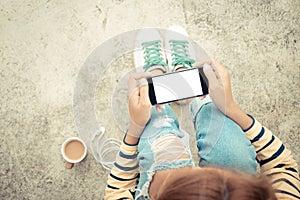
[274, 158]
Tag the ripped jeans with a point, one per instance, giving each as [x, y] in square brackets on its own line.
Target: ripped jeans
[163, 145]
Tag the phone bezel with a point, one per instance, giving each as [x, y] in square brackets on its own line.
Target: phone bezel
[203, 82]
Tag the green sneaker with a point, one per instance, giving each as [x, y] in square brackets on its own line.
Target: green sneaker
[149, 54]
[179, 50]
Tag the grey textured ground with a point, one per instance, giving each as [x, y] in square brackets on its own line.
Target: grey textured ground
[44, 43]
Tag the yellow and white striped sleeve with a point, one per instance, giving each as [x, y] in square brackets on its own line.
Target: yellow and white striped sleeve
[275, 161]
[124, 175]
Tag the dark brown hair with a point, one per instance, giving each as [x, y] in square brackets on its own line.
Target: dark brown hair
[214, 184]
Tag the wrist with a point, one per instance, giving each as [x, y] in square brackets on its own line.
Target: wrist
[130, 140]
[239, 116]
[231, 109]
[134, 129]
[133, 133]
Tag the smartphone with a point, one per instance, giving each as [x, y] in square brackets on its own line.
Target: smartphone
[176, 86]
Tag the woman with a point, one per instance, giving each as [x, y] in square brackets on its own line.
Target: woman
[155, 160]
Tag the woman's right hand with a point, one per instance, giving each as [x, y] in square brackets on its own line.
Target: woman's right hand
[219, 86]
[139, 104]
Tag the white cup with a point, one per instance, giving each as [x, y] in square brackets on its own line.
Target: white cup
[72, 144]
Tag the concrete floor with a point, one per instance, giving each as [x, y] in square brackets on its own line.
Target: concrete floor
[43, 45]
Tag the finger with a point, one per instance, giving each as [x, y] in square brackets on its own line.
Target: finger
[217, 65]
[132, 85]
[159, 107]
[144, 97]
[142, 81]
[134, 97]
[211, 76]
[201, 63]
[138, 76]
[133, 80]
[142, 78]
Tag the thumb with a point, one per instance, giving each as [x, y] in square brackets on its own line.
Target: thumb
[144, 97]
[211, 76]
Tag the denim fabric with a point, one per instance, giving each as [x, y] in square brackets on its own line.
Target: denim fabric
[220, 142]
[161, 124]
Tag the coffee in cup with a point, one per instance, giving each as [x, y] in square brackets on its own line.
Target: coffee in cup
[73, 151]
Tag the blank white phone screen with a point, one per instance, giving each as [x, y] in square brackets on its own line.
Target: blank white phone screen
[176, 86]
